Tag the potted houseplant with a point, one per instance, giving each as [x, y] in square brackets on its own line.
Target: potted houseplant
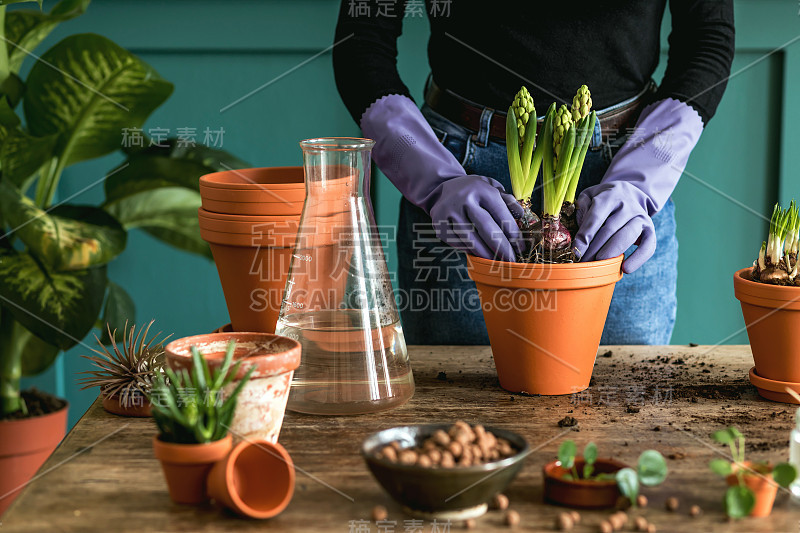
[595, 483]
[769, 293]
[77, 100]
[193, 414]
[125, 375]
[528, 304]
[272, 359]
[752, 486]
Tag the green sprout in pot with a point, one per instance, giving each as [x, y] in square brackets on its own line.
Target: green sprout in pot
[559, 151]
[126, 370]
[777, 262]
[740, 499]
[651, 469]
[523, 162]
[191, 407]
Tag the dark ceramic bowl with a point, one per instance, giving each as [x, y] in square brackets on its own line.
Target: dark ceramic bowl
[581, 493]
[447, 493]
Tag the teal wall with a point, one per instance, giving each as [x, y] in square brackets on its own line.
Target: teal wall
[215, 53]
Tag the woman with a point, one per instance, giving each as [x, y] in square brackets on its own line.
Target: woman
[449, 162]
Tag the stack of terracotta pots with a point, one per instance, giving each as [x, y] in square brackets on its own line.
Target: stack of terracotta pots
[250, 218]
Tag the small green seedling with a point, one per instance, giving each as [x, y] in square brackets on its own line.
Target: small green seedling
[651, 469]
[739, 500]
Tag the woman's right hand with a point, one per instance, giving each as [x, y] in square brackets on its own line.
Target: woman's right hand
[476, 215]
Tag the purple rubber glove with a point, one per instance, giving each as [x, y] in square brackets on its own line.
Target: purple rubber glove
[616, 213]
[471, 213]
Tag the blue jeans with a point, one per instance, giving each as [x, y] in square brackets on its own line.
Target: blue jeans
[442, 305]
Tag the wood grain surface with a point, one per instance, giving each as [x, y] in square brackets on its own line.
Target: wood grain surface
[104, 477]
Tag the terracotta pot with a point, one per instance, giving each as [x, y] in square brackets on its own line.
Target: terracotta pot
[763, 487]
[255, 480]
[254, 191]
[582, 493]
[252, 254]
[772, 316]
[186, 467]
[25, 445]
[262, 402]
[545, 321]
[138, 406]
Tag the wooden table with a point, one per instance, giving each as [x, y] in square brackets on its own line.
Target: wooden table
[104, 477]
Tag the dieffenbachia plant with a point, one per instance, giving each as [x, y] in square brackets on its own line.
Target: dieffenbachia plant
[777, 261]
[78, 100]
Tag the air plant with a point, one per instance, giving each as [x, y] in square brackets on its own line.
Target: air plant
[777, 262]
[126, 370]
[560, 153]
[191, 407]
[739, 499]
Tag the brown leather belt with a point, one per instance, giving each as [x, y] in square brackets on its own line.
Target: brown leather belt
[468, 114]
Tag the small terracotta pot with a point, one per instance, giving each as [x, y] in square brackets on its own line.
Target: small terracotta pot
[25, 444]
[138, 405]
[772, 316]
[262, 402]
[186, 467]
[763, 487]
[255, 480]
[254, 191]
[545, 321]
[253, 255]
[582, 493]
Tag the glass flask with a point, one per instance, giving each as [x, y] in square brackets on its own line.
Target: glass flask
[338, 301]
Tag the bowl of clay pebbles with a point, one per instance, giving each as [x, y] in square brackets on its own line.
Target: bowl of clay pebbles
[442, 471]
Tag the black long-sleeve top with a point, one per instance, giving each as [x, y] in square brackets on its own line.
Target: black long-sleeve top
[485, 51]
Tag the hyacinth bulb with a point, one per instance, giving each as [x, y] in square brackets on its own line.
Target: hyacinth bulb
[556, 243]
[530, 227]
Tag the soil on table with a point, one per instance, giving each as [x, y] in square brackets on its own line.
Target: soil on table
[38, 403]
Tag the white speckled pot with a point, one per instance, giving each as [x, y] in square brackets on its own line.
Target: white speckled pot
[262, 402]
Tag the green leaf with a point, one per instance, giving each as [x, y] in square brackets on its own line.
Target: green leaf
[25, 29]
[65, 237]
[652, 468]
[8, 119]
[145, 173]
[58, 306]
[628, 483]
[739, 501]
[588, 470]
[88, 89]
[22, 155]
[590, 453]
[213, 159]
[721, 467]
[168, 214]
[37, 355]
[784, 474]
[118, 312]
[13, 88]
[723, 436]
[566, 454]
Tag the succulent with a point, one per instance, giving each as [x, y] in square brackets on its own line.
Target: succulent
[581, 104]
[561, 125]
[523, 109]
[126, 369]
[191, 407]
